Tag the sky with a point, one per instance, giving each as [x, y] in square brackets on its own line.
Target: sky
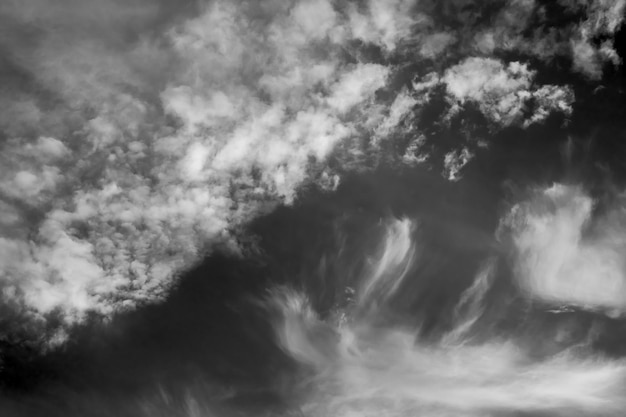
[312, 208]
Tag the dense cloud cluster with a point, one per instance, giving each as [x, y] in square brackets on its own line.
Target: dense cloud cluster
[503, 93]
[137, 136]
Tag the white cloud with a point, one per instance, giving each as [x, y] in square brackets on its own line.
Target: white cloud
[386, 23]
[603, 18]
[414, 153]
[550, 98]
[502, 92]
[138, 144]
[316, 18]
[400, 108]
[453, 163]
[394, 261]
[564, 255]
[477, 78]
[574, 39]
[359, 367]
[195, 110]
[106, 218]
[356, 86]
[586, 58]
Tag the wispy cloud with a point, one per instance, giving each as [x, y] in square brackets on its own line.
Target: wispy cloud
[360, 367]
[566, 255]
[566, 29]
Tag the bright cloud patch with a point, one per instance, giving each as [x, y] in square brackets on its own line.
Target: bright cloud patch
[504, 93]
[566, 255]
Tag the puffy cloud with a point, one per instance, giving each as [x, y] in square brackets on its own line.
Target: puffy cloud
[166, 161]
[504, 93]
[313, 97]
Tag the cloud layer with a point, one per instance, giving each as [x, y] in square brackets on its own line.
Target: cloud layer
[255, 100]
[137, 137]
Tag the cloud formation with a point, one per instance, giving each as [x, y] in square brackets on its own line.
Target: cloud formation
[136, 137]
[504, 93]
[566, 252]
[357, 366]
[257, 97]
[580, 31]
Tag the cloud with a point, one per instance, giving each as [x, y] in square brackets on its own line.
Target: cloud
[141, 136]
[356, 85]
[163, 161]
[454, 161]
[538, 31]
[564, 254]
[385, 23]
[355, 365]
[603, 18]
[503, 93]
[396, 258]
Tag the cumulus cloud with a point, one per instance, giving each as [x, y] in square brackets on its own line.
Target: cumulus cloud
[166, 160]
[565, 254]
[504, 93]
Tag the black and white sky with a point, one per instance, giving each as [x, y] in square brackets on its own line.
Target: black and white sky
[315, 208]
